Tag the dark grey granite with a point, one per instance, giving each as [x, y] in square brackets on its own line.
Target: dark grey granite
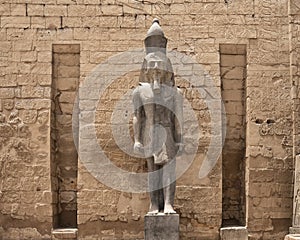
[162, 227]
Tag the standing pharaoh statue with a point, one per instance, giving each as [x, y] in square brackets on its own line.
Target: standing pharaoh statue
[157, 121]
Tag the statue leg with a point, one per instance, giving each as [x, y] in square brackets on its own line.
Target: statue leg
[169, 178]
[153, 181]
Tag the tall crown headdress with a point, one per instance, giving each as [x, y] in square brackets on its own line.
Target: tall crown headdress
[155, 40]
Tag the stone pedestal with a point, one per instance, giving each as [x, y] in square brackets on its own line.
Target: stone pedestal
[162, 227]
[294, 230]
[234, 233]
[292, 237]
[64, 233]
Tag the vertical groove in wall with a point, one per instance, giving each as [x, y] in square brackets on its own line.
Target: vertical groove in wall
[233, 75]
[66, 72]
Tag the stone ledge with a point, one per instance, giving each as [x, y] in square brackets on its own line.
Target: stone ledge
[64, 233]
[234, 233]
[292, 237]
[294, 230]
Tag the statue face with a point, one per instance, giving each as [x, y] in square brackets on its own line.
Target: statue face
[156, 72]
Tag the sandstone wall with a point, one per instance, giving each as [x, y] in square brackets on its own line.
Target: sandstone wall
[104, 28]
[294, 71]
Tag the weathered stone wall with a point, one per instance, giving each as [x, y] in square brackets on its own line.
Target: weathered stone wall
[26, 198]
[268, 136]
[104, 28]
[294, 16]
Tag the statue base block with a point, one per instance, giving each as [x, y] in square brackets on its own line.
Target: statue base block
[234, 233]
[162, 227]
[294, 230]
[292, 237]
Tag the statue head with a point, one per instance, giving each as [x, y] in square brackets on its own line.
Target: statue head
[157, 67]
[157, 70]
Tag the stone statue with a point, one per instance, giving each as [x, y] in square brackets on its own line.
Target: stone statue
[157, 121]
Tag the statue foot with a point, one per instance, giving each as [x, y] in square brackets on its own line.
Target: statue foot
[153, 210]
[169, 209]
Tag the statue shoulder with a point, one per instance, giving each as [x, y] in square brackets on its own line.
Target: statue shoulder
[179, 91]
[141, 88]
[144, 84]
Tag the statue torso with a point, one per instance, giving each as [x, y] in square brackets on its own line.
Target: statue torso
[158, 121]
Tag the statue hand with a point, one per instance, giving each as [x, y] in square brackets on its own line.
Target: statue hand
[138, 148]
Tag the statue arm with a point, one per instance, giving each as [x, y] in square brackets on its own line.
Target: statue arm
[137, 121]
[178, 119]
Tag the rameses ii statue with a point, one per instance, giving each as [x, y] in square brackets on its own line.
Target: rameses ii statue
[157, 121]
